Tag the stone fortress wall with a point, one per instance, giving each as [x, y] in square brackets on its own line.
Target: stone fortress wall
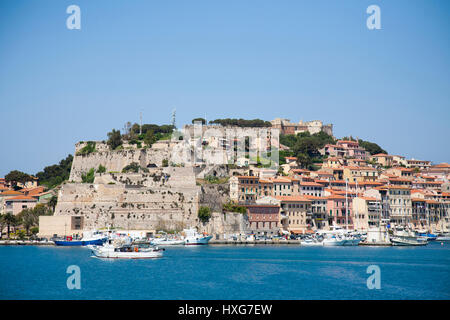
[162, 198]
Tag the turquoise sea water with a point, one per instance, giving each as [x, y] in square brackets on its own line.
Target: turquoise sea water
[229, 272]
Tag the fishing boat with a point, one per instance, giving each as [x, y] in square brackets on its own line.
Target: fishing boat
[88, 238]
[192, 237]
[405, 241]
[127, 251]
[403, 237]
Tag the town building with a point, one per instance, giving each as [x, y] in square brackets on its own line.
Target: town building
[264, 219]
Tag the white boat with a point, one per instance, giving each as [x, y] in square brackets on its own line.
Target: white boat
[339, 237]
[110, 251]
[351, 239]
[192, 237]
[404, 237]
[166, 242]
[404, 241]
[333, 242]
[310, 242]
[250, 238]
[443, 237]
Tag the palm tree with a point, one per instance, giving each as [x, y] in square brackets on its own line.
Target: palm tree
[2, 225]
[52, 202]
[9, 219]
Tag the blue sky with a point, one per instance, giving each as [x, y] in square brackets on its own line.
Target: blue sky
[302, 60]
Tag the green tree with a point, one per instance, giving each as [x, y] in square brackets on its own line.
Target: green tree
[55, 174]
[114, 139]
[89, 176]
[132, 167]
[42, 210]
[20, 234]
[52, 202]
[28, 218]
[149, 138]
[87, 149]
[34, 230]
[16, 176]
[10, 220]
[101, 169]
[165, 163]
[204, 214]
[242, 122]
[371, 147]
[304, 160]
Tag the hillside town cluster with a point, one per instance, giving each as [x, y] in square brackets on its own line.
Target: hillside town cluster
[351, 189]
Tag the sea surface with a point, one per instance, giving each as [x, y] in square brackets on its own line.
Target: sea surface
[229, 272]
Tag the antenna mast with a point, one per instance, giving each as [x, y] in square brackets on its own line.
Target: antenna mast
[174, 117]
[140, 121]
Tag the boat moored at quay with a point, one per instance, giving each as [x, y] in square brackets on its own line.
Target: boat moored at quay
[192, 237]
[88, 238]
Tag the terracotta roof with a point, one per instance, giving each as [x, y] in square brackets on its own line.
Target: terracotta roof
[382, 155]
[11, 193]
[281, 180]
[311, 184]
[336, 197]
[398, 187]
[442, 165]
[314, 197]
[292, 198]
[22, 198]
[369, 198]
[359, 168]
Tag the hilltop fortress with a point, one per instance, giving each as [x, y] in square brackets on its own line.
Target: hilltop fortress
[287, 127]
[163, 191]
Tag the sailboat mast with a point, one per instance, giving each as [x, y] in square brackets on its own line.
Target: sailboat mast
[346, 204]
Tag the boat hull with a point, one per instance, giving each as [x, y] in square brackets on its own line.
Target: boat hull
[407, 242]
[352, 242]
[333, 243]
[311, 244]
[128, 255]
[163, 243]
[77, 243]
[197, 241]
